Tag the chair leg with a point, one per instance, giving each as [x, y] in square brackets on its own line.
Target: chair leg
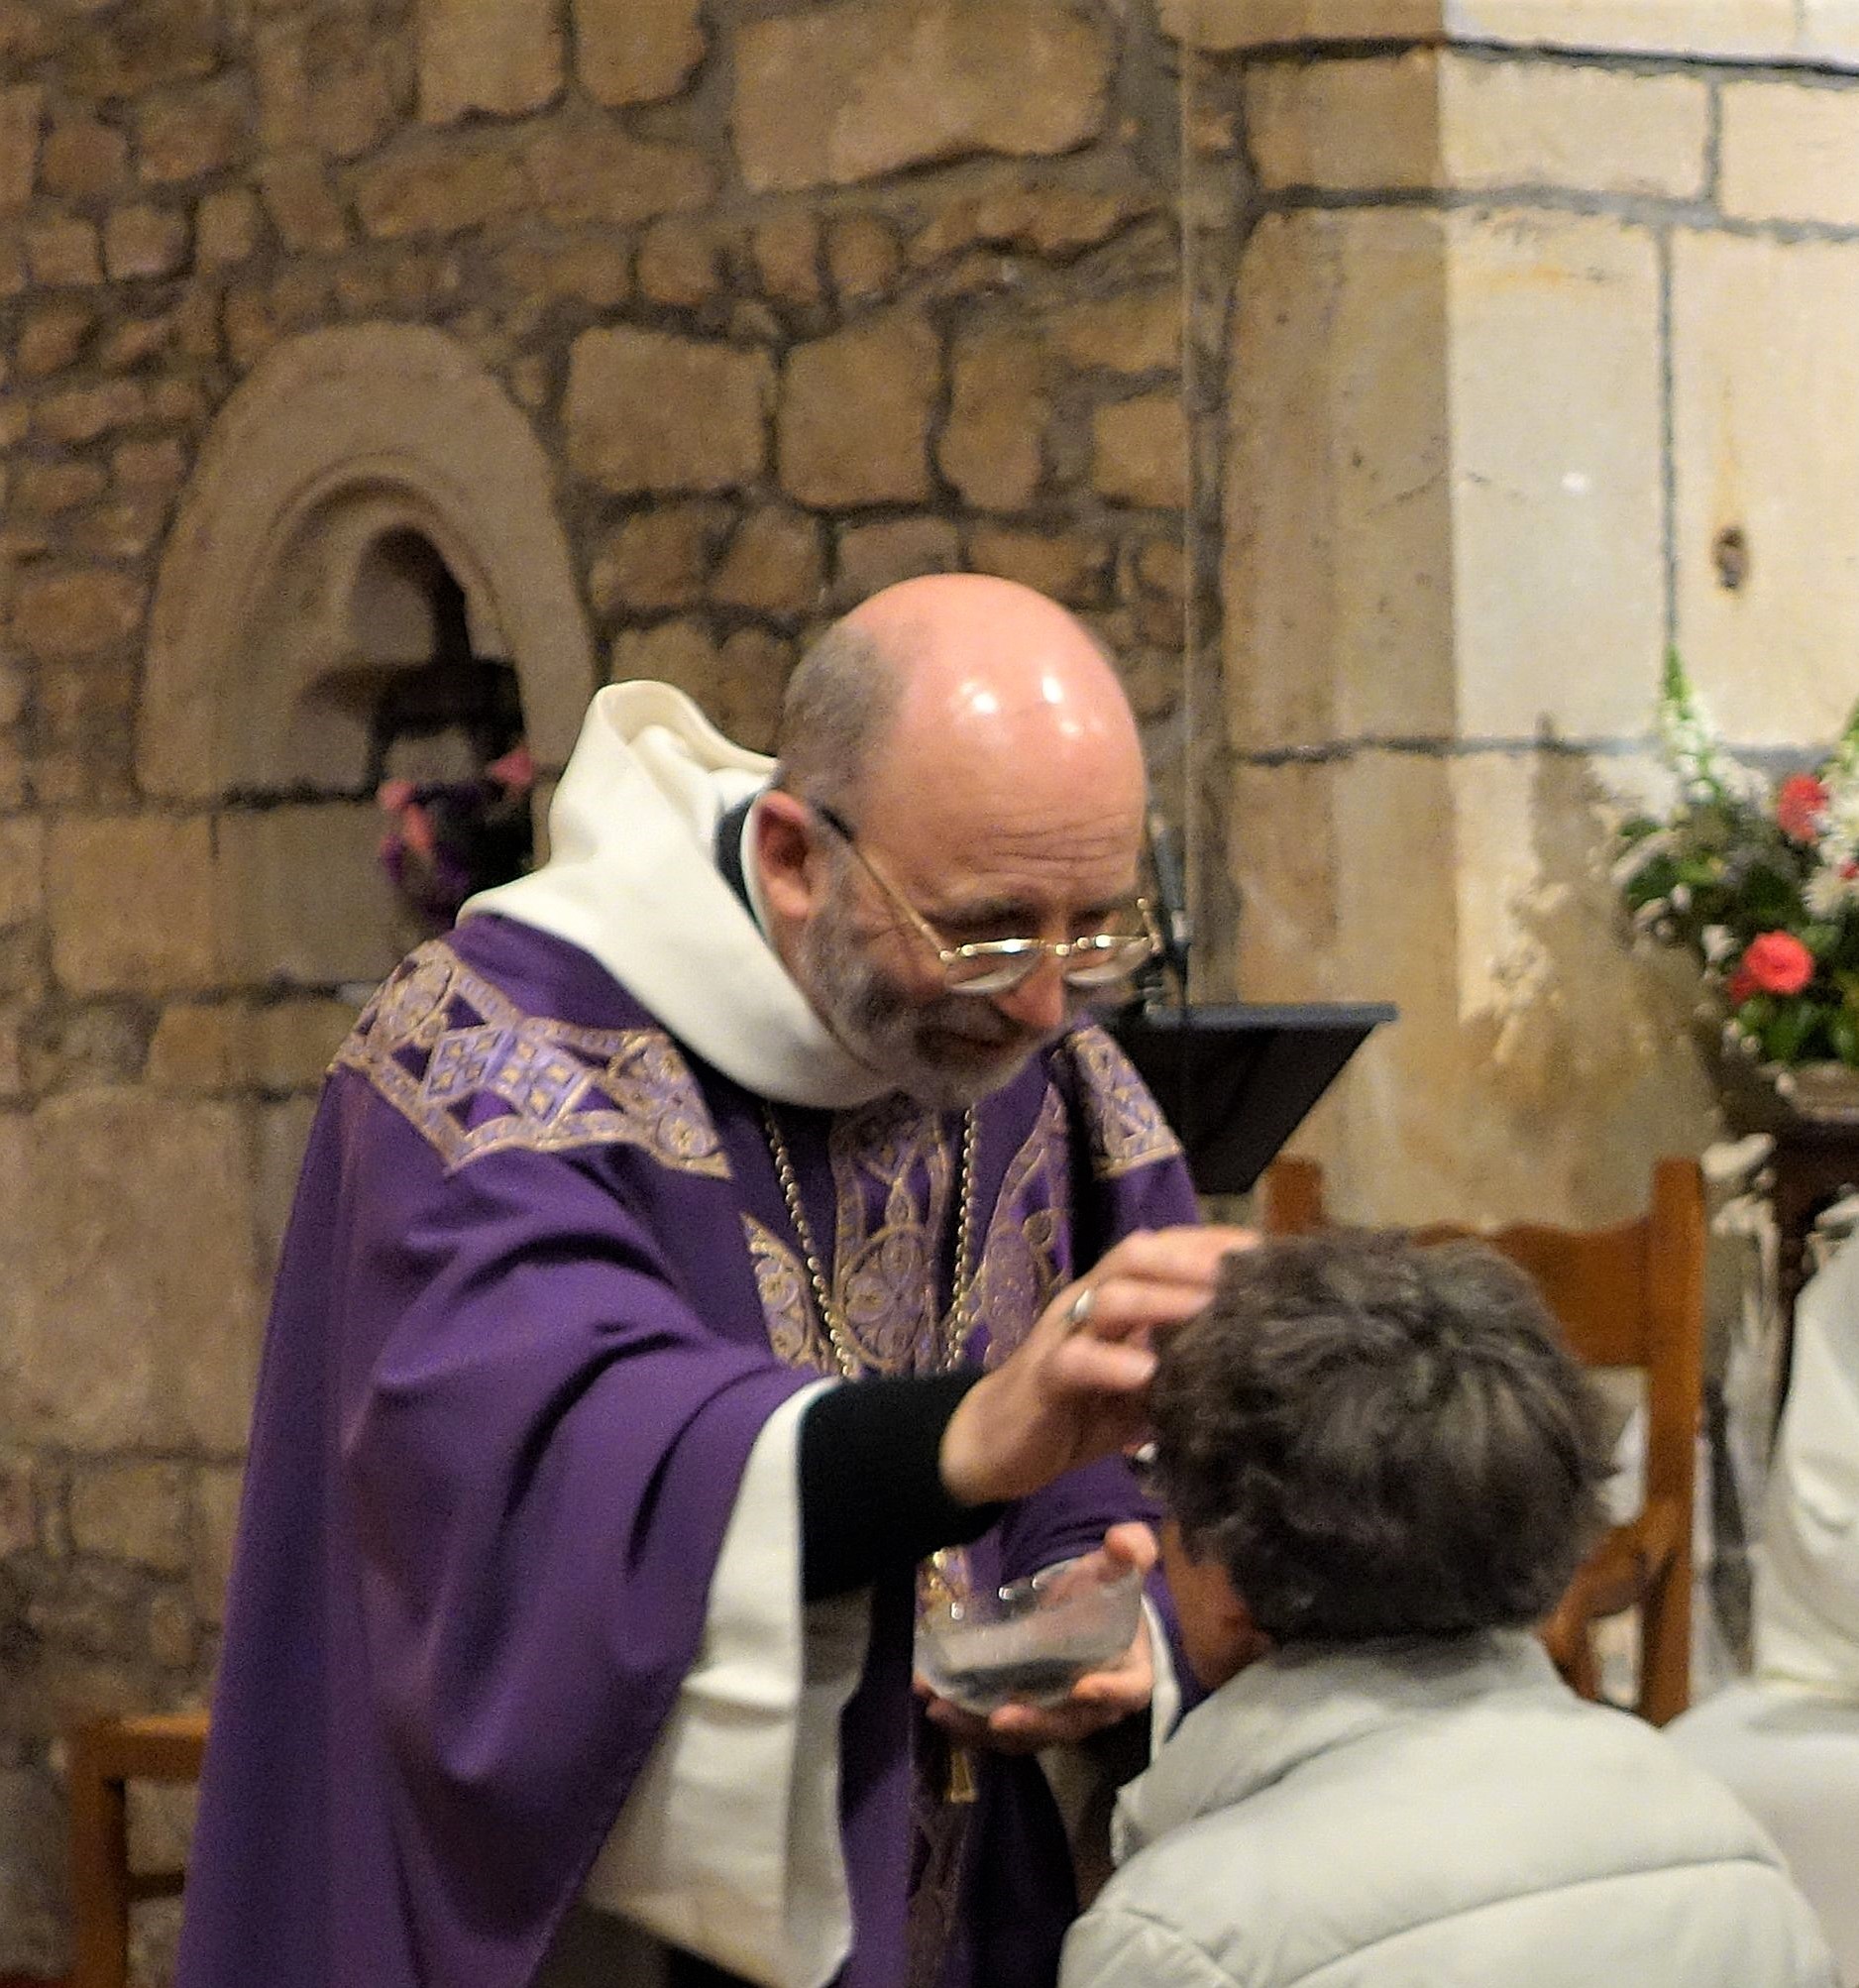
[1666, 1643]
[99, 1870]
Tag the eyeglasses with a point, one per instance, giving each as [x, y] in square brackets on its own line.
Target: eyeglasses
[998, 965]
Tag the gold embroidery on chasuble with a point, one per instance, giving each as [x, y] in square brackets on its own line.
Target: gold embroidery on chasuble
[1127, 1128]
[896, 1174]
[474, 1075]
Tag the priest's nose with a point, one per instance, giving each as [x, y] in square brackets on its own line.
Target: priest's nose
[1037, 1004]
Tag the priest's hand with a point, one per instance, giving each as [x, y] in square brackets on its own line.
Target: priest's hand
[1099, 1700]
[1076, 1388]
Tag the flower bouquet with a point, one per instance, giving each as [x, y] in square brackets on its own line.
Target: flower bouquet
[1760, 883]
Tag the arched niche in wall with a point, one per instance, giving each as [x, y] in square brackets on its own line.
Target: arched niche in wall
[354, 476]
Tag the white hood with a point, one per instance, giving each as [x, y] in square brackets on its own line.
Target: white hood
[632, 879]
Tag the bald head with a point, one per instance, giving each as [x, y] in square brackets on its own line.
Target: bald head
[971, 670]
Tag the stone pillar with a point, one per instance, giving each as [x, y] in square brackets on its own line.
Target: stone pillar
[1517, 331]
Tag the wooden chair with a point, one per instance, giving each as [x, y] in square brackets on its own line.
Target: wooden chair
[104, 1757]
[1629, 1296]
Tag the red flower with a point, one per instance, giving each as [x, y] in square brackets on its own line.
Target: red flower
[1800, 806]
[1774, 963]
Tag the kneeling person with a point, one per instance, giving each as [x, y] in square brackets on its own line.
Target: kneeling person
[1380, 1469]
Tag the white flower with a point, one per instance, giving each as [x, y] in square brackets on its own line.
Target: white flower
[1718, 941]
[1828, 894]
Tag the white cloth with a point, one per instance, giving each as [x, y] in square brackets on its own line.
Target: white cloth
[1807, 1592]
[1792, 1757]
[728, 1845]
[1434, 1815]
[632, 879]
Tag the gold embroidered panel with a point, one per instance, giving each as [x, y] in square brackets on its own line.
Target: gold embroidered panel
[1127, 1128]
[474, 1075]
[895, 1176]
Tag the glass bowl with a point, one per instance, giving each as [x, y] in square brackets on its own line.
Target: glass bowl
[1031, 1643]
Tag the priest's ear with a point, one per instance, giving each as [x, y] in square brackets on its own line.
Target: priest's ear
[786, 846]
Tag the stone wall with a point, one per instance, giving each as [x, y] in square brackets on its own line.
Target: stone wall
[1539, 359]
[794, 300]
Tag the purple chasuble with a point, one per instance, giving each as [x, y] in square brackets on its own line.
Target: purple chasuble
[539, 1294]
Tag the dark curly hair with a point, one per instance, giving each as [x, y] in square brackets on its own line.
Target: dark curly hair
[1375, 1439]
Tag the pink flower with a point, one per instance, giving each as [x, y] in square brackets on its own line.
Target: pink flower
[1800, 806]
[515, 772]
[1772, 962]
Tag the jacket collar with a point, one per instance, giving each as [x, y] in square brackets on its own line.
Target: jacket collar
[1294, 1705]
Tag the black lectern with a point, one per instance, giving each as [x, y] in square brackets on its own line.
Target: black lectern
[1236, 1081]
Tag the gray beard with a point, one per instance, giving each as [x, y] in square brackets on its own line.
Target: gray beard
[948, 1053]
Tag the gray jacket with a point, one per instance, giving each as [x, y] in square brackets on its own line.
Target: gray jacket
[1434, 1815]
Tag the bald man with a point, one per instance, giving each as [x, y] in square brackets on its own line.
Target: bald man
[722, 1222]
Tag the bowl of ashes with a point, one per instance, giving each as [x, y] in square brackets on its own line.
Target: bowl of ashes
[1030, 1642]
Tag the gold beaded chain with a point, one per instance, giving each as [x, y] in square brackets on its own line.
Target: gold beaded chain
[838, 1329]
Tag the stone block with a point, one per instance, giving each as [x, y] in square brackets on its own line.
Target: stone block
[1069, 565]
[1558, 539]
[681, 262]
[736, 684]
[81, 158]
[142, 48]
[35, 1898]
[133, 344]
[217, 1490]
[437, 189]
[63, 254]
[786, 249]
[774, 565]
[51, 338]
[199, 1046]
[1250, 24]
[1056, 221]
[595, 272]
[173, 1634]
[1139, 332]
[19, 1504]
[293, 1043]
[42, 489]
[1346, 125]
[862, 255]
[875, 556]
[73, 614]
[1139, 451]
[301, 899]
[1586, 129]
[304, 207]
[284, 1133]
[21, 109]
[132, 904]
[851, 90]
[1710, 29]
[149, 466]
[646, 410]
[144, 242]
[191, 134]
[1338, 562]
[1763, 357]
[855, 410]
[992, 447]
[498, 56]
[636, 50]
[130, 1314]
[85, 412]
[1790, 153]
[130, 1510]
[21, 868]
[588, 176]
[1829, 30]
[659, 558]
